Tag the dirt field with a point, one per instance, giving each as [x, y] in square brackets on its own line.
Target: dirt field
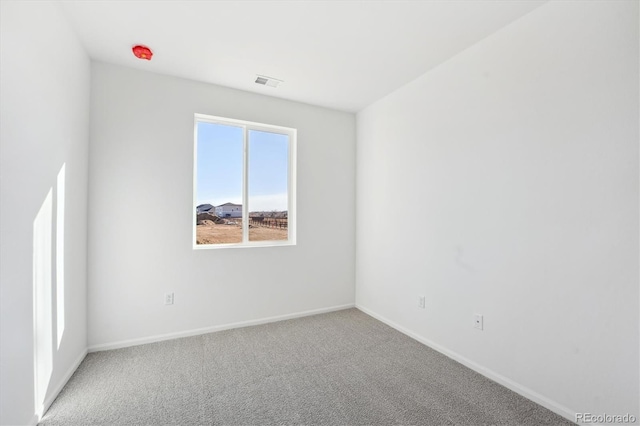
[212, 233]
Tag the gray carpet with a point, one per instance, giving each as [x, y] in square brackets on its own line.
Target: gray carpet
[341, 368]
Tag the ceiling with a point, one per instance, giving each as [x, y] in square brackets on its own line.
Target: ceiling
[338, 54]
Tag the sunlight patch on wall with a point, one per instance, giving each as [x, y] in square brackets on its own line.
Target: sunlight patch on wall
[42, 300]
[60, 204]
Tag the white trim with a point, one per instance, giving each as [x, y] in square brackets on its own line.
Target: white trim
[270, 243]
[34, 420]
[293, 164]
[272, 128]
[213, 329]
[547, 403]
[245, 185]
[194, 185]
[56, 391]
[65, 379]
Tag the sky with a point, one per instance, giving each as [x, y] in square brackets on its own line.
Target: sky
[219, 167]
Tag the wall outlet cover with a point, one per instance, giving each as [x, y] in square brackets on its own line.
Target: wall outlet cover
[168, 299]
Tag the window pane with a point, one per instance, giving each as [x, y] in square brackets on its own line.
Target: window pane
[219, 184]
[268, 186]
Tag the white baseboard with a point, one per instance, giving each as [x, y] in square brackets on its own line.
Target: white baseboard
[54, 394]
[212, 329]
[504, 381]
[34, 420]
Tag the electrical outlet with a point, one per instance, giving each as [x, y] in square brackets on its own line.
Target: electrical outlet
[421, 302]
[478, 321]
[168, 299]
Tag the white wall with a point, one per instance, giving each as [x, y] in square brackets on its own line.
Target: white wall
[141, 207]
[44, 103]
[519, 161]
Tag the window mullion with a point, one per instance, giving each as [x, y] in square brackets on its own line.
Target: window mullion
[245, 186]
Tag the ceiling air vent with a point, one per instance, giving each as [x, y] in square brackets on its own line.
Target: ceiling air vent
[267, 81]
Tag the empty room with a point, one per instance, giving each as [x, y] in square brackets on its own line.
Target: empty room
[320, 212]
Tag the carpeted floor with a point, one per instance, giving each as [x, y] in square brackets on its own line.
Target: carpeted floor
[341, 368]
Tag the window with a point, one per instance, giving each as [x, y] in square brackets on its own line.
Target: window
[244, 183]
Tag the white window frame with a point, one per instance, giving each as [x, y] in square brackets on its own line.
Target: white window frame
[291, 201]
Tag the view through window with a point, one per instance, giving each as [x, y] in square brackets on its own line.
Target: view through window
[244, 183]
